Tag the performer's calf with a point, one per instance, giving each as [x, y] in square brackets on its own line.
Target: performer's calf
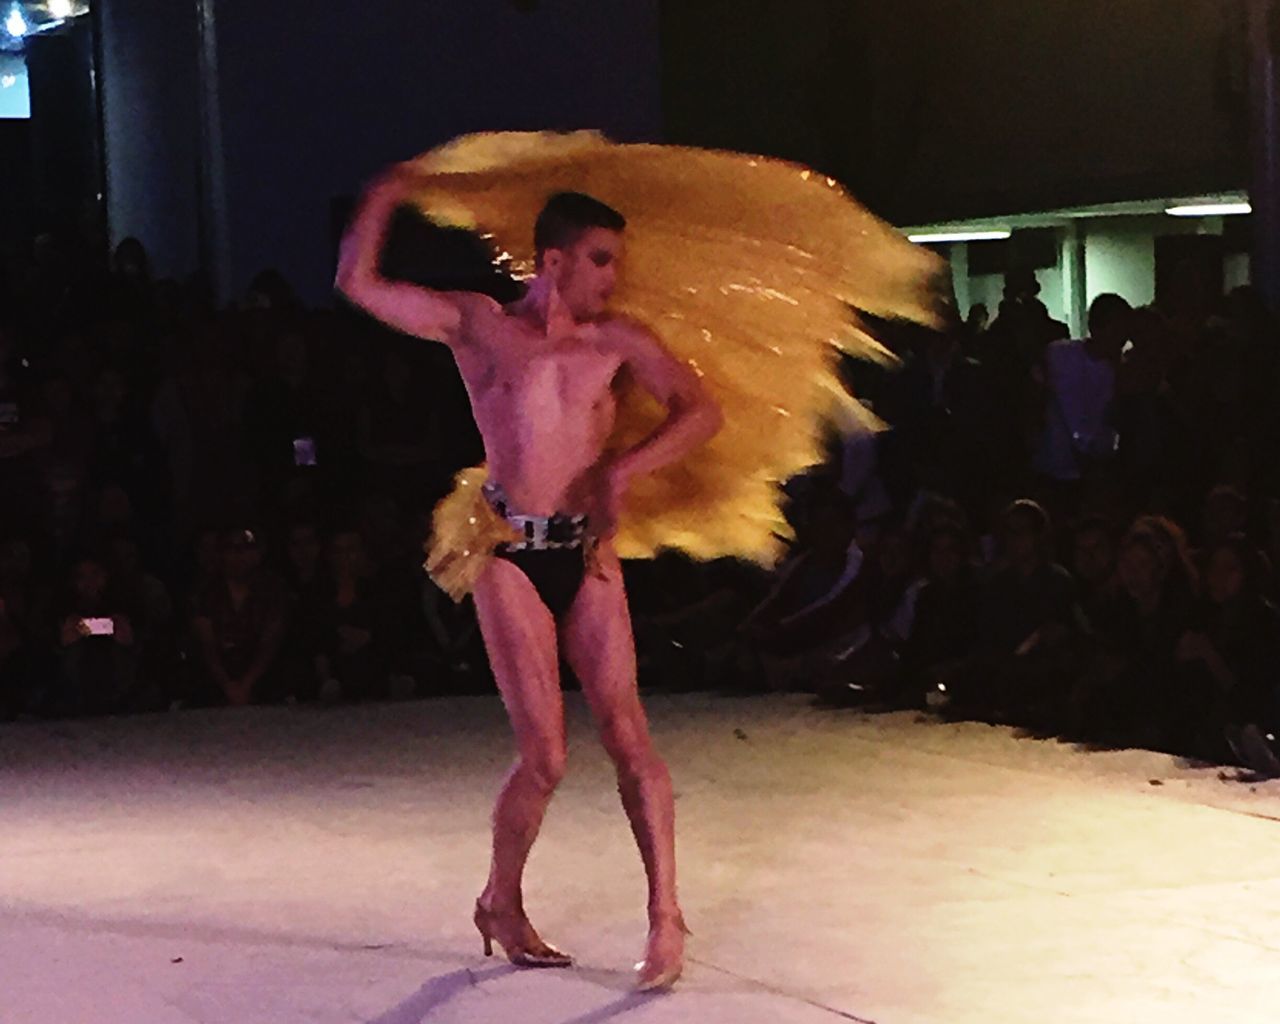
[520, 638]
[644, 783]
[598, 644]
[517, 817]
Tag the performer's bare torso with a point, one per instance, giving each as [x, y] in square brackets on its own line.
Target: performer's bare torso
[544, 405]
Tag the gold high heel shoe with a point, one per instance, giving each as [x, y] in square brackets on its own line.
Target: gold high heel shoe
[654, 979]
[521, 944]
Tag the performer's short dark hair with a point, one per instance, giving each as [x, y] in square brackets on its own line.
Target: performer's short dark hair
[567, 215]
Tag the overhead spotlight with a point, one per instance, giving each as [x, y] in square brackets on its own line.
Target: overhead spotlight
[61, 8]
[943, 237]
[1210, 210]
[16, 24]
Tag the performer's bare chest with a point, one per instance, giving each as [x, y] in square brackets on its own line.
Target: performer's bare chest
[571, 377]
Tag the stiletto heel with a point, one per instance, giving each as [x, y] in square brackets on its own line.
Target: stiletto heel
[659, 979]
[513, 932]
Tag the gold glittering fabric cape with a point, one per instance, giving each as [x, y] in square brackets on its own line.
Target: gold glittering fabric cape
[750, 269]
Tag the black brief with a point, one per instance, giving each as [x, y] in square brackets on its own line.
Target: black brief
[556, 574]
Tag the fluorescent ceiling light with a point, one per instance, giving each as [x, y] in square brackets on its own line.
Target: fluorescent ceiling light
[16, 24]
[61, 8]
[1209, 209]
[939, 237]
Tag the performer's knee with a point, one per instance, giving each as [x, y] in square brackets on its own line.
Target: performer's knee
[545, 765]
[627, 741]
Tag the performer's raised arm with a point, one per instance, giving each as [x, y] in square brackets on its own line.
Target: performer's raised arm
[421, 312]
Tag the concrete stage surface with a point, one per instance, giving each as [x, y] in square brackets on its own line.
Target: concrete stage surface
[319, 865]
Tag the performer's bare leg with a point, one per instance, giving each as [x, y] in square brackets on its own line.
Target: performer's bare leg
[599, 646]
[520, 637]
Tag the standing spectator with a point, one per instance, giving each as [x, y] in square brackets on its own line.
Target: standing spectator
[25, 432]
[284, 422]
[197, 416]
[124, 451]
[1078, 378]
[399, 433]
[1143, 414]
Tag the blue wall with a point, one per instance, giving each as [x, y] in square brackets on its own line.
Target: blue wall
[151, 128]
[317, 97]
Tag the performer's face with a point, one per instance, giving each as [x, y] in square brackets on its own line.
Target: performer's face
[585, 273]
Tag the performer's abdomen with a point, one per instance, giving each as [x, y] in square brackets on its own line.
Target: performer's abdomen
[544, 431]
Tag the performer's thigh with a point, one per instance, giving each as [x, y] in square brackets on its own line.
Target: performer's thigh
[598, 642]
[520, 638]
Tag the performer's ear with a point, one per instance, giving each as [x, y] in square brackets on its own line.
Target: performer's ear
[552, 261]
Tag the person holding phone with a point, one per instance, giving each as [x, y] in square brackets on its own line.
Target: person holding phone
[97, 650]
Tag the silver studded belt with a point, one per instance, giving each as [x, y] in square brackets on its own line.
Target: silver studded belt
[541, 533]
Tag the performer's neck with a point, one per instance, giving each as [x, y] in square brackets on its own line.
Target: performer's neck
[543, 305]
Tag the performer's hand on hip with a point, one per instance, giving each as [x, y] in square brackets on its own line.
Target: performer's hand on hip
[614, 482]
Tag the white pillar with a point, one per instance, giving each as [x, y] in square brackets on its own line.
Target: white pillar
[958, 255]
[215, 247]
[1074, 295]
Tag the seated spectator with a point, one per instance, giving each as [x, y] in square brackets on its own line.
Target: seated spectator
[23, 658]
[310, 589]
[1026, 617]
[687, 616]
[453, 659]
[239, 624]
[804, 623]
[97, 647]
[1225, 515]
[357, 649]
[878, 613]
[1093, 564]
[1123, 696]
[151, 611]
[944, 623]
[203, 567]
[1230, 660]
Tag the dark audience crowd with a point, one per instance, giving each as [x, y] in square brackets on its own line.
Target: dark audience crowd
[1079, 537]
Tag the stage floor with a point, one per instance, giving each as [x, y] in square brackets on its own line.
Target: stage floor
[289, 865]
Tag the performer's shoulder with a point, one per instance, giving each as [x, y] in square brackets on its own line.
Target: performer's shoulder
[476, 303]
[626, 330]
[480, 314]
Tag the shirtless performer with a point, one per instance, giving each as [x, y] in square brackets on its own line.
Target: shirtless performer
[540, 374]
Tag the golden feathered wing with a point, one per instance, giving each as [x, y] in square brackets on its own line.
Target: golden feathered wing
[748, 268]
